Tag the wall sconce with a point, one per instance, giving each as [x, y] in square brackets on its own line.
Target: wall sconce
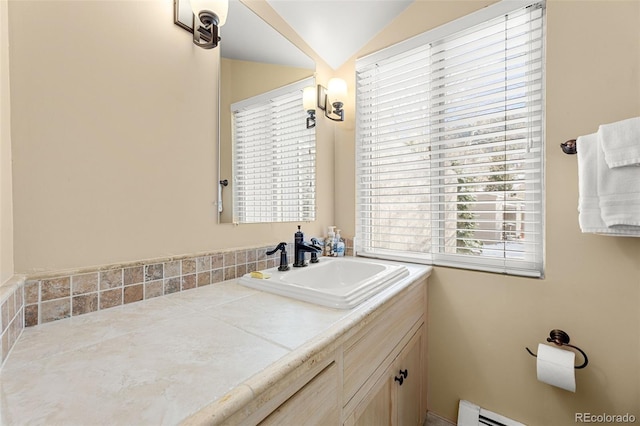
[206, 17]
[333, 96]
[309, 104]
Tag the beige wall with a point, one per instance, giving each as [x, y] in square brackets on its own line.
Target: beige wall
[6, 199]
[114, 138]
[479, 324]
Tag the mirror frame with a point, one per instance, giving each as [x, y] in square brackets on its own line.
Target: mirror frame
[184, 18]
[182, 15]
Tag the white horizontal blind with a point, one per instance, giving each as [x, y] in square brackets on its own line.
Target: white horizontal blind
[273, 158]
[449, 148]
[393, 179]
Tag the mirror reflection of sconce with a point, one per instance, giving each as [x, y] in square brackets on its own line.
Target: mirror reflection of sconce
[330, 99]
[309, 104]
[207, 17]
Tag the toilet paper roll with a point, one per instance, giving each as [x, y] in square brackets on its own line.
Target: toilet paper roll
[555, 366]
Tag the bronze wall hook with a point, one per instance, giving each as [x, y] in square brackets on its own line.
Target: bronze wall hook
[570, 147]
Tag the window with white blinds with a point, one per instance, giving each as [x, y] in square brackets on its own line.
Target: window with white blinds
[450, 144]
[273, 158]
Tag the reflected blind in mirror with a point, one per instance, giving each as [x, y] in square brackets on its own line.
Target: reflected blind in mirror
[450, 145]
[273, 158]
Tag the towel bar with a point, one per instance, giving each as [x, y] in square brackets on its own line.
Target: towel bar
[569, 147]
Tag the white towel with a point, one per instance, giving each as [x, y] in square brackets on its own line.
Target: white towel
[621, 142]
[590, 218]
[618, 191]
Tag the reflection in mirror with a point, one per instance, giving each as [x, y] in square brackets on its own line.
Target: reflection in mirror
[274, 157]
[256, 59]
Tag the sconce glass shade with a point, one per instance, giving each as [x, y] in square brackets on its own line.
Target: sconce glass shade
[309, 98]
[219, 8]
[337, 90]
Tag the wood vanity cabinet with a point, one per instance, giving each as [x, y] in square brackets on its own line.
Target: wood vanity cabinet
[374, 374]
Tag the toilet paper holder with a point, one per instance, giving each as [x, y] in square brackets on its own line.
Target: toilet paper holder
[561, 338]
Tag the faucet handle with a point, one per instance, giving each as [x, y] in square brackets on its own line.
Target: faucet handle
[284, 262]
[281, 246]
[314, 255]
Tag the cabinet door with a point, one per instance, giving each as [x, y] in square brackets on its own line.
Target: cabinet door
[378, 410]
[410, 394]
[314, 404]
[398, 397]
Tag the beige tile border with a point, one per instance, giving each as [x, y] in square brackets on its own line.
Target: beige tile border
[41, 298]
[56, 296]
[11, 314]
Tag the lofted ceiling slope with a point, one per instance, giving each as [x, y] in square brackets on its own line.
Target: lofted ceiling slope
[337, 29]
[334, 29]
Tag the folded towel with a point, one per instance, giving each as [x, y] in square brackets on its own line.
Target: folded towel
[589, 217]
[618, 191]
[621, 142]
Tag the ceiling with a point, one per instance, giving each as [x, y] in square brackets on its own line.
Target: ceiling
[245, 36]
[334, 29]
[337, 29]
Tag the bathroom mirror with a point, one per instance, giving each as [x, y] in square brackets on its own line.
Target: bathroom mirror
[255, 59]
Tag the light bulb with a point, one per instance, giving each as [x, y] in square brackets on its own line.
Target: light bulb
[337, 89]
[309, 98]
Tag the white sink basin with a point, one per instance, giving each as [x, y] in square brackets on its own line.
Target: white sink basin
[342, 282]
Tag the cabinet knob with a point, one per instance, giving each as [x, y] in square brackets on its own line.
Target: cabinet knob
[402, 375]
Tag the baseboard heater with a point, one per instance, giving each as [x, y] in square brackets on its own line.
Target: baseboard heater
[470, 414]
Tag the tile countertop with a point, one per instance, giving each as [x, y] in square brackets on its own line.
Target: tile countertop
[162, 360]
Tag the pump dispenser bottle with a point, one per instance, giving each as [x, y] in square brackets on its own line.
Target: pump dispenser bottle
[329, 242]
[339, 246]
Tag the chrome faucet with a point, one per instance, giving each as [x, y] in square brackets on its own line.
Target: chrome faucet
[301, 247]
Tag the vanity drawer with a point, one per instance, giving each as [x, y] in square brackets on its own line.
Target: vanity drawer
[377, 343]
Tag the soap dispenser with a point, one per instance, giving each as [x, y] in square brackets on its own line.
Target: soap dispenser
[339, 248]
[329, 242]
